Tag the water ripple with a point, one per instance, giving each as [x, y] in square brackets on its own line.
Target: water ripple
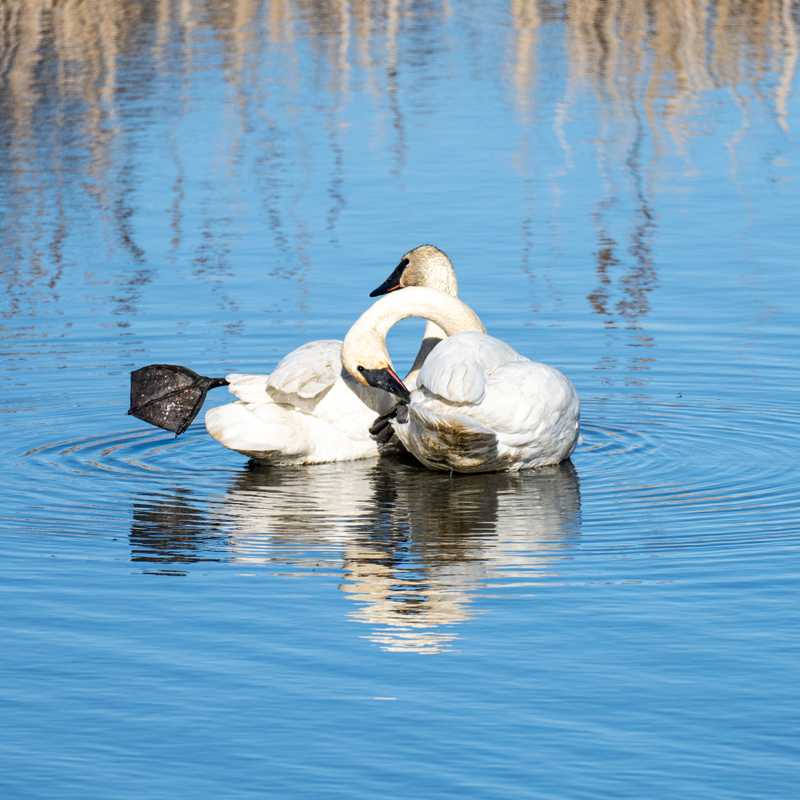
[704, 465]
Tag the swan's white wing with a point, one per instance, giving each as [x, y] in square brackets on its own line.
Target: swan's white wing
[301, 378]
[529, 399]
[457, 369]
[534, 410]
[306, 374]
[481, 406]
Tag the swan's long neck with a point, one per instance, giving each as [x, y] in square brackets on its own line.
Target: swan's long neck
[437, 273]
[365, 343]
[448, 313]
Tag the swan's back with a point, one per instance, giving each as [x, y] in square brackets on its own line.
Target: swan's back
[304, 412]
[458, 368]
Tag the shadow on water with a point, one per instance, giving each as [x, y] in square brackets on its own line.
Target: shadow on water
[411, 548]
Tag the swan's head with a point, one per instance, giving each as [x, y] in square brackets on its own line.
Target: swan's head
[425, 265]
[365, 358]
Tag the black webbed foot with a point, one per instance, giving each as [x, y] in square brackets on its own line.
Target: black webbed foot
[381, 429]
[169, 396]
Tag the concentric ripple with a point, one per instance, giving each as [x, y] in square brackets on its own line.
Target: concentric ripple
[699, 461]
[131, 454]
[692, 467]
[657, 489]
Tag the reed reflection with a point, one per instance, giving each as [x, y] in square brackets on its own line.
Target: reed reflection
[411, 547]
[647, 68]
[86, 86]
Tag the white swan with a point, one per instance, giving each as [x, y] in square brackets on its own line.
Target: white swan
[310, 411]
[478, 406]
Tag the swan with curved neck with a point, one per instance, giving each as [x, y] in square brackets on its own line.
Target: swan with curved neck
[310, 410]
[364, 352]
[478, 405]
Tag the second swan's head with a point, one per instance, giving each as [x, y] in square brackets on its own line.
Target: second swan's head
[425, 265]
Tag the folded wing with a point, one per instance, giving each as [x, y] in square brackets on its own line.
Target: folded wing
[457, 369]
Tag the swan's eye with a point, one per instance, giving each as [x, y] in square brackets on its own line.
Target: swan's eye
[360, 368]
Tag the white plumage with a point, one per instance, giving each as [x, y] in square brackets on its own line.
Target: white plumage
[310, 411]
[305, 412]
[478, 405]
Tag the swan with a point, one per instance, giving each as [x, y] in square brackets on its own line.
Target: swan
[478, 405]
[309, 410]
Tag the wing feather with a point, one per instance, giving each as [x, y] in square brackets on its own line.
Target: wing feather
[250, 388]
[457, 368]
[306, 374]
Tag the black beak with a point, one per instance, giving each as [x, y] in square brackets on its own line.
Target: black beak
[386, 379]
[392, 283]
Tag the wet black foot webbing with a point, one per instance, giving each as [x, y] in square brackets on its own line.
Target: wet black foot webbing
[169, 396]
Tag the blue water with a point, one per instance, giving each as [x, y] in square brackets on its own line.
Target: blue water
[214, 184]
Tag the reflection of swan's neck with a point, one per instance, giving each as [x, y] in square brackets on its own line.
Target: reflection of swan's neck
[365, 343]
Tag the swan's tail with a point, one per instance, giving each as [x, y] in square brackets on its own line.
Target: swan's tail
[250, 388]
[263, 431]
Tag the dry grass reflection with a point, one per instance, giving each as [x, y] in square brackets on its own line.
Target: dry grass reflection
[77, 77]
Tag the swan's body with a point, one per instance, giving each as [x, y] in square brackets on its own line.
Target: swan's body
[309, 410]
[478, 405]
[482, 407]
[306, 412]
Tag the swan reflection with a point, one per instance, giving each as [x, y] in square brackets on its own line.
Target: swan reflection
[413, 545]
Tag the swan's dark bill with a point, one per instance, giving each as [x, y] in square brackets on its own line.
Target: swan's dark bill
[392, 283]
[386, 379]
[169, 396]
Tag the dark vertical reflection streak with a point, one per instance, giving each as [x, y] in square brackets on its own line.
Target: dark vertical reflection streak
[335, 123]
[526, 21]
[178, 196]
[336, 184]
[642, 278]
[392, 86]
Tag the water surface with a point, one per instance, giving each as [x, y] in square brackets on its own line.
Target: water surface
[215, 184]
